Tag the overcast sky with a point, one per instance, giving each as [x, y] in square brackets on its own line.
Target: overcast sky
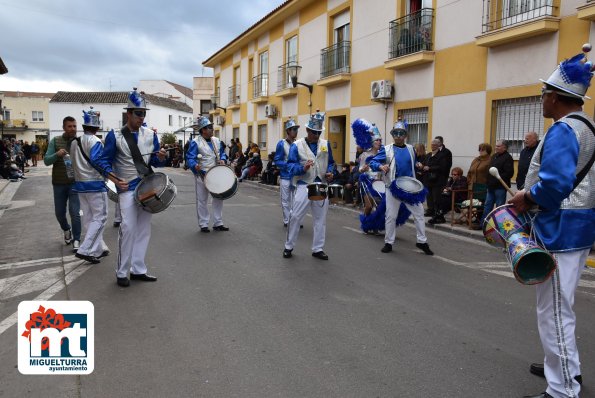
[70, 45]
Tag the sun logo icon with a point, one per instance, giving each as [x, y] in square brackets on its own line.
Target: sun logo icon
[508, 225]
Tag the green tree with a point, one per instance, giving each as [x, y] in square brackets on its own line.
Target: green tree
[168, 138]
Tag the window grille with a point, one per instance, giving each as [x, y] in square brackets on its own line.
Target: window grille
[262, 136]
[499, 14]
[417, 121]
[514, 118]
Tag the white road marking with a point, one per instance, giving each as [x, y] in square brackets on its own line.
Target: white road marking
[31, 263]
[354, 230]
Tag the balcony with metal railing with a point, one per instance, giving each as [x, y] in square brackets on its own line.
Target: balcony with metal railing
[506, 21]
[233, 97]
[284, 86]
[215, 101]
[410, 40]
[335, 64]
[260, 88]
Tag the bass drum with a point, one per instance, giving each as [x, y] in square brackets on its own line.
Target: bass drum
[155, 192]
[221, 182]
[112, 192]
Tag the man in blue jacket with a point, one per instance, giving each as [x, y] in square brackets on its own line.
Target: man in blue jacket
[281, 155]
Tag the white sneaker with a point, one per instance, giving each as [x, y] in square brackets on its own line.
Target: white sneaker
[75, 245]
[68, 237]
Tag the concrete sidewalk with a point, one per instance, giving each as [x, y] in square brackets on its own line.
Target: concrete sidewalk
[462, 230]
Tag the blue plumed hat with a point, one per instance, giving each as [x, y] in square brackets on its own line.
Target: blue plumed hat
[316, 122]
[291, 124]
[400, 128]
[361, 132]
[136, 100]
[202, 122]
[573, 76]
[91, 118]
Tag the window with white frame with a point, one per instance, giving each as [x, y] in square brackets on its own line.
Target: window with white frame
[262, 136]
[236, 133]
[514, 118]
[417, 121]
[515, 11]
[171, 120]
[37, 116]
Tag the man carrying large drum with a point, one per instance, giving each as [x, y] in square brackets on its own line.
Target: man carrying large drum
[560, 181]
[204, 153]
[311, 164]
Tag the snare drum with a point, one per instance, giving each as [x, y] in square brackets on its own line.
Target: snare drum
[112, 192]
[317, 191]
[155, 192]
[409, 185]
[221, 182]
[335, 193]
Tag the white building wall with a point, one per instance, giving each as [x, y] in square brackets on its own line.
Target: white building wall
[461, 134]
[338, 97]
[292, 23]
[312, 39]
[290, 106]
[568, 7]
[276, 59]
[457, 22]
[225, 81]
[263, 40]
[413, 83]
[334, 3]
[369, 46]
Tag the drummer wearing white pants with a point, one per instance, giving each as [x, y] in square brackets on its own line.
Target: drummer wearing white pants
[118, 165]
[310, 160]
[281, 155]
[205, 152]
[398, 160]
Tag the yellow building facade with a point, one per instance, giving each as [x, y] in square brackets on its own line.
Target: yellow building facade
[465, 70]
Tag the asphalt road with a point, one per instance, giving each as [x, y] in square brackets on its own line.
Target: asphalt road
[229, 317]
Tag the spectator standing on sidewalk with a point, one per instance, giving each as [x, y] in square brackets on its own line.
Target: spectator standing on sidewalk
[496, 196]
[531, 142]
[34, 153]
[62, 184]
[437, 168]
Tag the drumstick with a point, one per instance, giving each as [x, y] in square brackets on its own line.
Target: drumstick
[494, 172]
[151, 153]
[113, 175]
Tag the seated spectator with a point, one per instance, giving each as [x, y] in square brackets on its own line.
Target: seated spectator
[15, 173]
[20, 161]
[238, 162]
[456, 182]
[252, 167]
[270, 174]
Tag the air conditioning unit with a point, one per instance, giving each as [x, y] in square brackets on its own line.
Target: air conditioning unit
[381, 90]
[270, 111]
[219, 120]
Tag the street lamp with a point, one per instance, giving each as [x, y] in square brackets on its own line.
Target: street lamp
[294, 70]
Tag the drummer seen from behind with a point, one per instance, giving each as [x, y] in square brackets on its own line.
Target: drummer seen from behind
[205, 152]
[560, 181]
[399, 160]
[310, 160]
[281, 154]
[117, 164]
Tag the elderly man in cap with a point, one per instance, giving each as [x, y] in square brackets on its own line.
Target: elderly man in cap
[281, 154]
[127, 157]
[398, 160]
[310, 160]
[205, 152]
[90, 186]
[560, 181]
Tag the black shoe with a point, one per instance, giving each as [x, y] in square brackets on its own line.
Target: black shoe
[117, 224]
[425, 248]
[301, 227]
[429, 213]
[542, 395]
[287, 253]
[143, 277]
[89, 259]
[537, 370]
[220, 228]
[205, 229]
[285, 225]
[105, 253]
[321, 255]
[387, 248]
[124, 282]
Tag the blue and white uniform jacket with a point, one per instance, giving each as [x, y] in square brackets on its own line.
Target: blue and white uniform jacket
[86, 176]
[210, 151]
[319, 152]
[401, 160]
[116, 156]
[281, 155]
[566, 221]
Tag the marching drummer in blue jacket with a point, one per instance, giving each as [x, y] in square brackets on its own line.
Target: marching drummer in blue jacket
[205, 152]
[135, 230]
[281, 154]
[310, 160]
[398, 160]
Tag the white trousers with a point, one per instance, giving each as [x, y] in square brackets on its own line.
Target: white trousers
[94, 207]
[117, 213]
[134, 235]
[285, 190]
[299, 207]
[556, 322]
[392, 212]
[202, 211]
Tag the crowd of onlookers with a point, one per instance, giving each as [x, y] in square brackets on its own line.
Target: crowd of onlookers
[15, 156]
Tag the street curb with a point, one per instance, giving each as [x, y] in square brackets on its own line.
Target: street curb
[3, 184]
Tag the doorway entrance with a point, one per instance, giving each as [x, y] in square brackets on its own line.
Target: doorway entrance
[336, 138]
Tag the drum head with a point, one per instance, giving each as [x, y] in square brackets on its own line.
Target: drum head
[220, 179]
[409, 184]
[379, 186]
[152, 184]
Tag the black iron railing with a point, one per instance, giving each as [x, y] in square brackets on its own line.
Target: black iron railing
[411, 34]
[499, 14]
[283, 78]
[335, 59]
[215, 99]
[260, 85]
[233, 95]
